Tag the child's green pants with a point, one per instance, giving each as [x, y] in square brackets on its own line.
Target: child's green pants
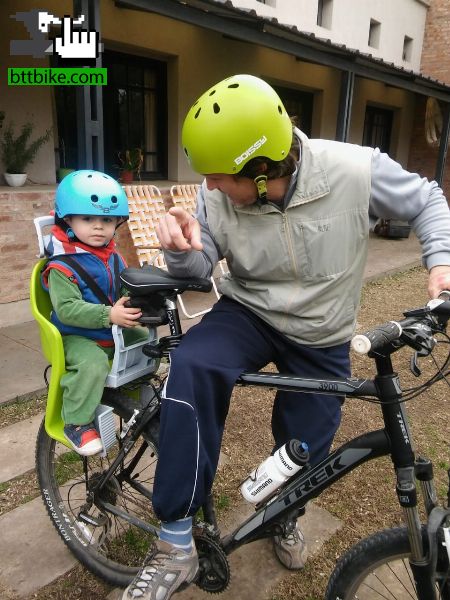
[87, 366]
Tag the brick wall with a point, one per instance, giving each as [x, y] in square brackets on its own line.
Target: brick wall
[435, 64]
[435, 55]
[18, 240]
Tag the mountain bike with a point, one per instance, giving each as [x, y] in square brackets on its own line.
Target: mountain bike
[101, 505]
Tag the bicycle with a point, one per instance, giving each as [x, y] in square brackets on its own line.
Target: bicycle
[101, 505]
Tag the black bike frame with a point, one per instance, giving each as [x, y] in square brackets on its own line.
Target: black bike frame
[309, 483]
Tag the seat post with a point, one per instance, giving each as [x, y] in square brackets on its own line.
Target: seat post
[173, 316]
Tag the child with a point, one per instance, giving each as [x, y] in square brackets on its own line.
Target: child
[82, 277]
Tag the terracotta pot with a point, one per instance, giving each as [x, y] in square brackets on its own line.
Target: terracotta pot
[126, 176]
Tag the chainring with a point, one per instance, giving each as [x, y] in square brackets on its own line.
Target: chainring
[214, 571]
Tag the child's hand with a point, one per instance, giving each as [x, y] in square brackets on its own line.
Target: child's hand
[123, 316]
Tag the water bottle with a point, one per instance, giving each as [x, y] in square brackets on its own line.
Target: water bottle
[274, 471]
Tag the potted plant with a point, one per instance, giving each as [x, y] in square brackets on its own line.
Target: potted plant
[63, 170]
[130, 163]
[18, 152]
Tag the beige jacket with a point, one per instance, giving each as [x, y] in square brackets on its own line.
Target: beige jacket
[301, 270]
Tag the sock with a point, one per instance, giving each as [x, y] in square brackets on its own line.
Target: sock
[178, 533]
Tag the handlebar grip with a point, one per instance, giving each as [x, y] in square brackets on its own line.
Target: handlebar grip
[376, 339]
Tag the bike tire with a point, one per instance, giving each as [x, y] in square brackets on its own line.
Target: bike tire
[110, 547]
[378, 567]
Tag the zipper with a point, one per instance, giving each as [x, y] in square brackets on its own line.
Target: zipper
[287, 232]
[110, 278]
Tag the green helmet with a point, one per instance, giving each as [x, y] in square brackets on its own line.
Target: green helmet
[238, 119]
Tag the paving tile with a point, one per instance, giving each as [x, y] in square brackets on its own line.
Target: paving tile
[17, 447]
[33, 554]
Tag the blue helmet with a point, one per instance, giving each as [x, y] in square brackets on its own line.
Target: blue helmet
[90, 193]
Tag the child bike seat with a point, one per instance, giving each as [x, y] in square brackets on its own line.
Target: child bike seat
[129, 362]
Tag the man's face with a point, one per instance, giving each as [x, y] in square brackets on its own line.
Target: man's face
[241, 190]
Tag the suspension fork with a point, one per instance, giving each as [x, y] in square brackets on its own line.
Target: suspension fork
[403, 458]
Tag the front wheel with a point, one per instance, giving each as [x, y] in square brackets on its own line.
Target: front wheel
[107, 542]
[378, 568]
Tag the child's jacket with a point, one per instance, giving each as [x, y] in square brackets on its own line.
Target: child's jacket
[102, 264]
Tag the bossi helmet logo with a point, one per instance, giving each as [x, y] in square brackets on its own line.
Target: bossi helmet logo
[251, 150]
[61, 37]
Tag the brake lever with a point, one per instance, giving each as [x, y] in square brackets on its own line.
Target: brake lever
[413, 364]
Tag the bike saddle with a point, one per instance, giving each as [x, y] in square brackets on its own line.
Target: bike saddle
[148, 280]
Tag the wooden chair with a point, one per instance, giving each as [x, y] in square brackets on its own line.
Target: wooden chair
[185, 195]
[146, 206]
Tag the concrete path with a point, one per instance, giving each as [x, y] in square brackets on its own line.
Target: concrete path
[17, 447]
[32, 553]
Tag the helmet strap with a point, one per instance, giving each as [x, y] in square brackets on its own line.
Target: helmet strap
[261, 186]
[70, 233]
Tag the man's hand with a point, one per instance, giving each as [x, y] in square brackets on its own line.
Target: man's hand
[439, 279]
[123, 316]
[178, 230]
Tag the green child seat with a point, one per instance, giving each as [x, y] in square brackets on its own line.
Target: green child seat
[129, 362]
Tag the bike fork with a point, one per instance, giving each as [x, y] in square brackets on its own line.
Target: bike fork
[419, 559]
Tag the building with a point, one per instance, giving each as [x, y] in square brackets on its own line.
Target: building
[347, 74]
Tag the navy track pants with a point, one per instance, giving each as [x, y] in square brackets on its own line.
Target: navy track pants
[204, 368]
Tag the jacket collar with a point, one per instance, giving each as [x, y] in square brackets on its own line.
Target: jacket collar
[61, 244]
[312, 180]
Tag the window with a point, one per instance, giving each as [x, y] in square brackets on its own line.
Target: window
[135, 112]
[378, 128]
[407, 48]
[374, 33]
[324, 12]
[298, 104]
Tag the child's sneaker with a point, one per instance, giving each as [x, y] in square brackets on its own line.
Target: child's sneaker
[84, 439]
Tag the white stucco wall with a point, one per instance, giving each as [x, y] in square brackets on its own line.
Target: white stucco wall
[350, 21]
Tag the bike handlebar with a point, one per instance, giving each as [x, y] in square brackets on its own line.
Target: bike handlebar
[377, 339]
[415, 331]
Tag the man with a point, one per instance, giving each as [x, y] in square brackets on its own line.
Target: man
[291, 218]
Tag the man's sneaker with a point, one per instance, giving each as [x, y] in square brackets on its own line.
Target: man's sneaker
[291, 549]
[165, 569]
[84, 439]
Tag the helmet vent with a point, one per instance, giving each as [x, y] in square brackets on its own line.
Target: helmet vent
[114, 199]
[280, 110]
[89, 176]
[233, 85]
[212, 93]
[216, 108]
[197, 113]
[94, 198]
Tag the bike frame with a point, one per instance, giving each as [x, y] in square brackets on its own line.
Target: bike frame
[393, 440]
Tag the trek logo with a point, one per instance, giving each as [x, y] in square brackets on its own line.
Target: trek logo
[328, 471]
[250, 150]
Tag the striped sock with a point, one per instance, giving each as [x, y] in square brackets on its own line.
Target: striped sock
[178, 533]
